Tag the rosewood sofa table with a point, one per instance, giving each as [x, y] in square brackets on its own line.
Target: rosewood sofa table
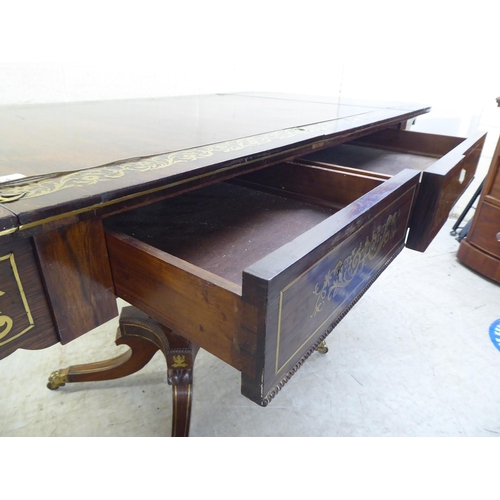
[244, 224]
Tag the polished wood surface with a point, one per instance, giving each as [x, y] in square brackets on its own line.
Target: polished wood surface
[77, 277]
[235, 269]
[480, 250]
[25, 315]
[210, 217]
[112, 155]
[70, 136]
[448, 167]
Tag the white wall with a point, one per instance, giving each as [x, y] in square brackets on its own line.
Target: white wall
[441, 52]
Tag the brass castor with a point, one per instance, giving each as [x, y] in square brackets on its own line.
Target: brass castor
[322, 348]
[57, 379]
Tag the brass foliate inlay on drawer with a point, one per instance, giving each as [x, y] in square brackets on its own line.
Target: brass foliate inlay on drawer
[327, 286]
[15, 314]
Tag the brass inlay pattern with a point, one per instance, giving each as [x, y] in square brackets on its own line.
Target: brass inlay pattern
[52, 183]
[179, 361]
[92, 176]
[7, 322]
[346, 270]
[282, 292]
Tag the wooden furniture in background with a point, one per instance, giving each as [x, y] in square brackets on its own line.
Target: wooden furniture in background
[480, 250]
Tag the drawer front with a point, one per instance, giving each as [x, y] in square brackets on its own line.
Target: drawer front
[25, 319]
[296, 295]
[486, 231]
[448, 165]
[441, 186]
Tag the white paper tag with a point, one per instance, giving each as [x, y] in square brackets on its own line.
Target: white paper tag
[11, 177]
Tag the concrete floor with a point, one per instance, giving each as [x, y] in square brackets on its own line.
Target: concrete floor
[413, 358]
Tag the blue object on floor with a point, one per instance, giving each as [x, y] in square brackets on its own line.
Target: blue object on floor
[495, 333]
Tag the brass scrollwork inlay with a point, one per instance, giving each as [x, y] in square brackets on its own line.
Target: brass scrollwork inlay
[5, 322]
[7, 330]
[87, 177]
[55, 182]
[346, 270]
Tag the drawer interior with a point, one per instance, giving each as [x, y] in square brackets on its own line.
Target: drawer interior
[388, 151]
[371, 159]
[222, 228]
[225, 227]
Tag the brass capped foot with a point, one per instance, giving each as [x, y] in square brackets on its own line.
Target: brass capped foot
[58, 379]
[322, 348]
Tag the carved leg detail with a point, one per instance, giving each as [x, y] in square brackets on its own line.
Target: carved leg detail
[145, 336]
[142, 349]
[180, 362]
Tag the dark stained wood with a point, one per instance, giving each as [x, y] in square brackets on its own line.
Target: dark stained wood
[75, 269]
[39, 139]
[143, 149]
[407, 141]
[144, 336]
[258, 277]
[440, 188]
[480, 250]
[222, 228]
[482, 262]
[313, 183]
[199, 305]
[25, 319]
[443, 180]
[371, 160]
[294, 296]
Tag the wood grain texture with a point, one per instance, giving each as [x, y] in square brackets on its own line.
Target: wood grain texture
[408, 141]
[440, 188]
[222, 228]
[294, 295]
[480, 250]
[312, 183]
[478, 260]
[111, 154]
[200, 306]
[25, 318]
[75, 269]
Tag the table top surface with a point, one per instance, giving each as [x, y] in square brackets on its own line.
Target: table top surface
[69, 152]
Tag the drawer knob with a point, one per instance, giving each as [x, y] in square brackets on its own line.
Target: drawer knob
[498, 236]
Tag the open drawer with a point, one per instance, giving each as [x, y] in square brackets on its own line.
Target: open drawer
[256, 275]
[448, 165]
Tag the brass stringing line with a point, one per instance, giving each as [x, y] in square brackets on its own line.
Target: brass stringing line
[138, 194]
[134, 195]
[136, 163]
[143, 161]
[21, 289]
[277, 368]
[6, 322]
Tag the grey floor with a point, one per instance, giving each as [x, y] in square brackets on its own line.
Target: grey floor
[413, 358]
